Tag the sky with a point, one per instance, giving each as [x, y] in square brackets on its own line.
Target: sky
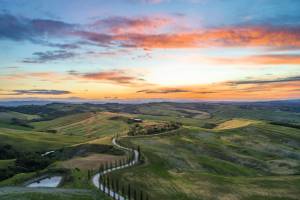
[150, 49]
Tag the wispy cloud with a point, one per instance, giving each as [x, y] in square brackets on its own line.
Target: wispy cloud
[225, 37]
[121, 25]
[42, 57]
[277, 80]
[40, 92]
[63, 46]
[163, 91]
[132, 32]
[270, 59]
[220, 37]
[114, 76]
[21, 28]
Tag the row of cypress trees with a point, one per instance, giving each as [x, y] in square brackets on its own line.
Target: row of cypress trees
[116, 189]
[113, 186]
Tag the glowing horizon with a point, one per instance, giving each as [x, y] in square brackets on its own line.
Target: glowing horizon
[147, 49]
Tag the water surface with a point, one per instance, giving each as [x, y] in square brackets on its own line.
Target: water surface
[53, 181]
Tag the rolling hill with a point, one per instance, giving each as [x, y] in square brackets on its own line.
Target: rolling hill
[239, 151]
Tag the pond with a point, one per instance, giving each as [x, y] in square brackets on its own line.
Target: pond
[53, 181]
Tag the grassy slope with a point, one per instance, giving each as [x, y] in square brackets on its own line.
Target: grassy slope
[219, 113]
[243, 163]
[71, 129]
[17, 193]
[74, 129]
[235, 123]
[35, 141]
[6, 119]
[61, 121]
[6, 163]
[233, 164]
[87, 124]
[7, 116]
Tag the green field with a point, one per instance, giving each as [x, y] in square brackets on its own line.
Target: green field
[24, 140]
[7, 116]
[88, 125]
[194, 163]
[21, 193]
[222, 151]
[6, 163]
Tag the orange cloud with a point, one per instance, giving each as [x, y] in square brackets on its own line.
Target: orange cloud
[163, 91]
[121, 25]
[239, 90]
[261, 59]
[226, 37]
[39, 75]
[115, 76]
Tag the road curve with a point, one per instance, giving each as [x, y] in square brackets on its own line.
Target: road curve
[98, 182]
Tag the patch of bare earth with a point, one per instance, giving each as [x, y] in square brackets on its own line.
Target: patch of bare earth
[93, 161]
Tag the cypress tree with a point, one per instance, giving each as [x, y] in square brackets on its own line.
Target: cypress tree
[103, 182]
[141, 196]
[134, 195]
[113, 188]
[118, 189]
[123, 191]
[89, 174]
[106, 166]
[132, 154]
[117, 186]
[129, 192]
[108, 185]
[139, 151]
[99, 181]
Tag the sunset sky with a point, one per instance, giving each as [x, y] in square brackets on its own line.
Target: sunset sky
[139, 49]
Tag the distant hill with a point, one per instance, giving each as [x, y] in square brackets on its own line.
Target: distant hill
[8, 103]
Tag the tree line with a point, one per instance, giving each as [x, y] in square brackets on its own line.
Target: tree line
[24, 162]
[138, 129]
